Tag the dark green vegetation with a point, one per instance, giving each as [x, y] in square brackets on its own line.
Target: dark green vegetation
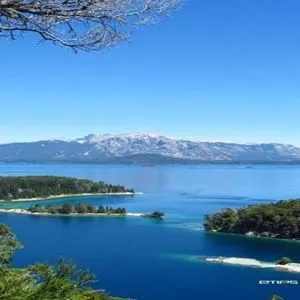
[284, 261]
[45, 186]
[79, 208]
[42, 281]
[155, 215]
[281, 220]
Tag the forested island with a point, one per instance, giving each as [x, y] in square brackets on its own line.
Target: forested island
[79, 208]
[277, 220]
[30, 187]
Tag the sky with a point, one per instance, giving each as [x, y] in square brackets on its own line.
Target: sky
[216, 70]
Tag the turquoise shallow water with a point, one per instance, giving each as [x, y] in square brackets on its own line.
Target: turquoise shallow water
[149, 260]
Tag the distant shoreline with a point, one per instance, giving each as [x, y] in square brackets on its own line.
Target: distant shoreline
[154, 163]
[247, 236]
[69, 196]
[20, 211]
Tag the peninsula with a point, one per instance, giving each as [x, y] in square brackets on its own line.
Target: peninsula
[275, 220]
[29, 188]
[80, 209]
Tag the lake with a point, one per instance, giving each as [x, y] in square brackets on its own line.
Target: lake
[155, 260]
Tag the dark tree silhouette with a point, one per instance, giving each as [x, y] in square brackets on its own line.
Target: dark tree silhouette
[80, 24]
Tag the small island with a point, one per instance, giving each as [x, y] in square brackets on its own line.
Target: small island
[275, 220]
[285, 264]
[29, 188]
[79, 208]
[158, 215]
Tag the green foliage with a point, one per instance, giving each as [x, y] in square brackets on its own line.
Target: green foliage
[42, 281]
[101, 209]
[284, 261]
[90, 209]
[79, 208]
[279, 219]
[66, 208]
[37, 208]
[44, 186]
[8, 244]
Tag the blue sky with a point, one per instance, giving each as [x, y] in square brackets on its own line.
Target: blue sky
[225, 70]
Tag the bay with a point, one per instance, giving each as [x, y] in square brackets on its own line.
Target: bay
[153, 260]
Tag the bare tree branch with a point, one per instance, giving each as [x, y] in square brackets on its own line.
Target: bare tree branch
[87, 25]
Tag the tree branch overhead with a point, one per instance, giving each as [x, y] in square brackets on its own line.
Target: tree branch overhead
[87, 25]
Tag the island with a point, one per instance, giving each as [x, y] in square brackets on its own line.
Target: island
[29, 188]
[275, 220]
[77, 209]
[285, 264]
[158, 215]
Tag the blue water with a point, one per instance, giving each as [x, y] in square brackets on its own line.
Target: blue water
[152, 260]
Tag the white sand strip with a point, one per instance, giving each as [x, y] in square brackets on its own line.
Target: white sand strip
[71, 195]
[250, 262]
[27, 212]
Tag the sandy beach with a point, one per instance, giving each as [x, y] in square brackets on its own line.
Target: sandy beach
[26, 212]
[71, 195]
[250, 262]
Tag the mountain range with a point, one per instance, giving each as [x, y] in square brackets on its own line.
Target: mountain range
[144, 148]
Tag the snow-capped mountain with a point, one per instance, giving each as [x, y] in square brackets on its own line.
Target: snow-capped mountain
[108, 147]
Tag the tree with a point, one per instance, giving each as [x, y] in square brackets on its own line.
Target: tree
[284, 261]
[35, 208]
[8, 244]
[66, 208]
[62, 280]
[122, 211]
[53, 210]
[101, 209]
[90, 209]
[155, 215]
[80, 208]
[80, 25]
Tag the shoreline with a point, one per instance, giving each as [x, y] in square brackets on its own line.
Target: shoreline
[69, 196]
[250, 262]
[21, 211]
[251, 236]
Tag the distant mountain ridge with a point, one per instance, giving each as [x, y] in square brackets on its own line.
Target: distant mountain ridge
[144, 148]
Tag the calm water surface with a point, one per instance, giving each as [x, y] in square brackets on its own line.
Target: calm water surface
[151, 260]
